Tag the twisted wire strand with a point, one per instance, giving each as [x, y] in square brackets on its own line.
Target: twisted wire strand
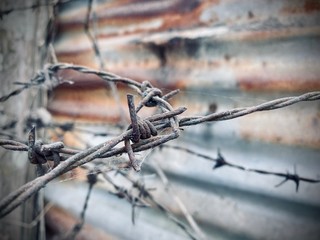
[147, 195]
[47, 75]
[239, 112]
[107, 149]
[102, 74]
[220, 161]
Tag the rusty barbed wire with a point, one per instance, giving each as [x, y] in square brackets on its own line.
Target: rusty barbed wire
[44, 78]
[92, 180]
[145, 194]
[102, 150]
[150, 97]
[142, 132]
[143, 91]
[142, 198]
[125, 193]
[239, 112]
[220, 161]
[92, 37]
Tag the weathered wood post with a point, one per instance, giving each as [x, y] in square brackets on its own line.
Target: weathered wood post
[22, 33]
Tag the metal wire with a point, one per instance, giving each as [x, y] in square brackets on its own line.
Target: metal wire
[220, 161]
[105, 149]
[143, 133]
[168, 119]
[239, 112]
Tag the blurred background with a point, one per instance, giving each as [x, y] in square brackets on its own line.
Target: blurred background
[221, 55]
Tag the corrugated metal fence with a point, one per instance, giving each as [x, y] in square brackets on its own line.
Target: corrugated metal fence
[222, 55]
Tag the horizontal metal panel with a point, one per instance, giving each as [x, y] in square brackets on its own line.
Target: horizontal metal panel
[252, 46]
[285, 126]
[226, 203]
[222, 55]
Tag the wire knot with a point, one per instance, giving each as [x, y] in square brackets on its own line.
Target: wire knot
[40, 153]
[148, 92]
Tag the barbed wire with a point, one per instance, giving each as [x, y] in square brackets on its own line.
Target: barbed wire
[239, 112]
[39, 155]
[92, 37]
[153, 92]
[141, 135]
[92, 180]
[142, 199]
[151, 97]
[220, 161]
[144, 193]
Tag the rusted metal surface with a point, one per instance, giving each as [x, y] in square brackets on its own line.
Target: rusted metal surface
[222, 55]
[297, 126]
[59, 222]
[293, 126]
[221, 47]
[265, 45]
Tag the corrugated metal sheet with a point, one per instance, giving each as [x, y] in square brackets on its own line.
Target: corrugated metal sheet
[222, 54]
[265, 45]
[226, 47]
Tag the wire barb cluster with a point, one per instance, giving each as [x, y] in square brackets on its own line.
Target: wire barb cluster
[39, 153]
[146, 199]
[220, 161]
[144, 133]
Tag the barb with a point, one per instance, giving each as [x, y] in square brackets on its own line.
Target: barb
[103, 150]
[44, 77]
[124, 193]
[134, 120]
[145, 194]
[20, 146]
[92, 180]
[148, 95]
[151, 97]
[220, 161]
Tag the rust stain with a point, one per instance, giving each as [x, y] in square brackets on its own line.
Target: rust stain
[260, 83]
[260, 35]
[83, 104]
[80, 80]
[96, 104]
[311, 6]
[174, 14]
[273, 127]
[161, 41]
[145, 8]
[302, 7]
[73, 57]
[177, 71]
[59, 221]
